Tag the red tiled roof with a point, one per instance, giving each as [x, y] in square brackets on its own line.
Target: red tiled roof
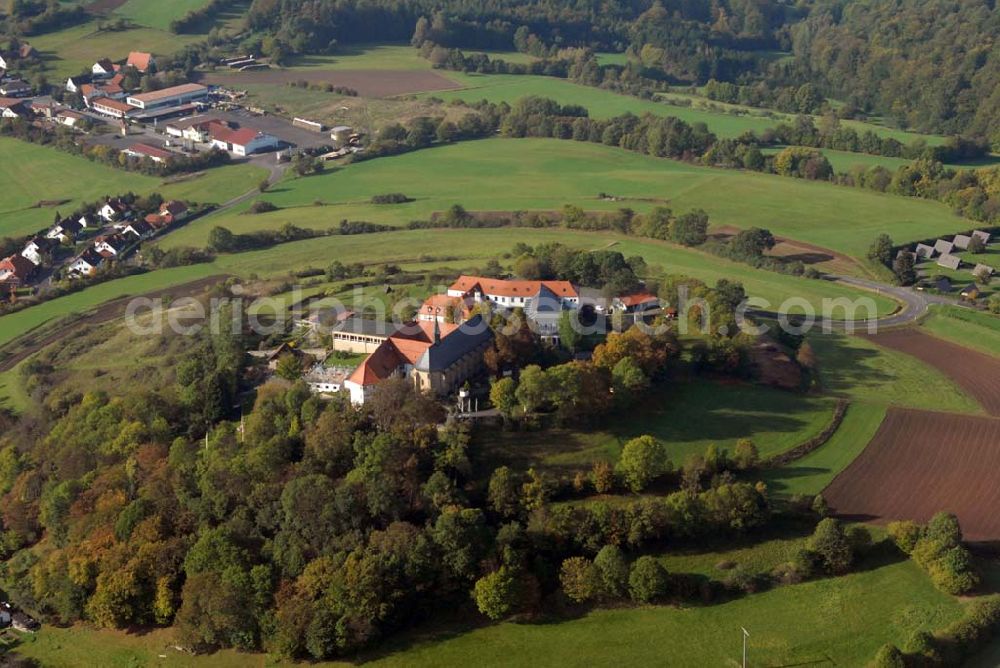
[139, 60]
[637, 298]
[240, 137]
[444, 305]
[20, 266]
[503, 288]
[9, 102]
[378, 366]
[117, 105]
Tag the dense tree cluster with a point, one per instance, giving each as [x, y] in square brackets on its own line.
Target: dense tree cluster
[937, 548]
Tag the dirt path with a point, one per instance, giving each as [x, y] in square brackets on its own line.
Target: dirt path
[32, 342]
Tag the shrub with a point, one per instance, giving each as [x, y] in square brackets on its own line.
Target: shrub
[579, 579]
[496, 594]
[904, 534]
[648, 580]
[832, 546]
[612, 569]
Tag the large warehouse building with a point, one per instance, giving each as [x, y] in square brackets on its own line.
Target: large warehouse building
[169, 97]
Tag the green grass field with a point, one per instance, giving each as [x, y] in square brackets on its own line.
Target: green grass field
[811, 474]
[840, 621]
[545, 174]
[687, 417]
[973, 329]
[30, 174]
[856, 368]
[157, 13]
[74, 50]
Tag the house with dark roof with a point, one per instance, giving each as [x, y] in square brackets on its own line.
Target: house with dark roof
[86, 264]
[64, 231]
[15, 88]
[12, 108]
[17, 270]
[437, 357]
[103, 68]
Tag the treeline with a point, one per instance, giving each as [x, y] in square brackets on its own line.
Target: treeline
[33, 17]
[804, 99]
[223, 240]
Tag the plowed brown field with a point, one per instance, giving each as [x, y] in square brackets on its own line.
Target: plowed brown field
[920, 463]
[974, 372]
[368, 83]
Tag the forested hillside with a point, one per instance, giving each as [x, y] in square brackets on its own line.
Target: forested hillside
[929, 65]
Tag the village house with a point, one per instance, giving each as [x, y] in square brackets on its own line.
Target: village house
[75, 84]
[438, 358]
[111, 245]
[92, 92]
[70, 118]
[12, 108]
[170, 213]
[140, 229]
[445, 309]
[242, 142]
[140, 60]
[64, 231]
[17, 270]
[104, 68]
[38, 248]
[114, 210]
[86, 264]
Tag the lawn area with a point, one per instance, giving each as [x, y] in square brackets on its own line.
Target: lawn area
[30, 174]
[687, 417]
[73, 50]
[545, 174]
[856, 368]
[811, 474]
[157, 13]
[837, 621]
[753, 555]
[974, 329]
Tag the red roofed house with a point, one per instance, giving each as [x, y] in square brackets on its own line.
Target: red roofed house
[17, 270]
[636, 302]
[12, 108]
[244, 141]
[140, 61]
[511, 294]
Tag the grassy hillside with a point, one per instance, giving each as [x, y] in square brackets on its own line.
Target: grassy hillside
[157, 13]
[30, 174]
[545, 174]
[973, 329]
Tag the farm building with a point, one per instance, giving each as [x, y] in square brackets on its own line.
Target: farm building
[949, 261]
[157, 155]
[962, 241]
[244, 141]
[437, 358]
[924, 251]
[943, 247]
[15, 88]
[982, 236]
[168, 97]
[983, 270]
